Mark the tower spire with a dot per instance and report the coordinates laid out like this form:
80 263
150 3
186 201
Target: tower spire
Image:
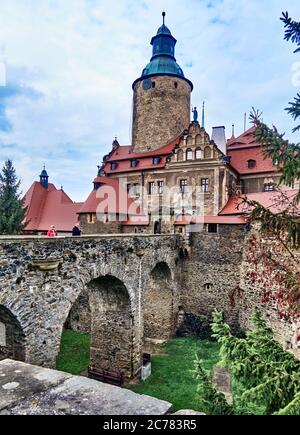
203 115
164 16
44 178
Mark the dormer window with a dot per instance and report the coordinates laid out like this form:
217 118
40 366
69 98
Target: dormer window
134 163
269 187
156 160
113 166
251 164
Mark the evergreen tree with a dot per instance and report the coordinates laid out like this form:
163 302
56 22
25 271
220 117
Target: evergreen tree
12 212
269 375
292 33
284 225
212 402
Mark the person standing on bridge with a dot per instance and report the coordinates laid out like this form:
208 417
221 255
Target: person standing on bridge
52 232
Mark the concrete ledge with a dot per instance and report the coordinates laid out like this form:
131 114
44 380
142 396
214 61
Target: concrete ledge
31 390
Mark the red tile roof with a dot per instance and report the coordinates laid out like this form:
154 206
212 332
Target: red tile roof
110 197
271 200
245 148
46 207
124 154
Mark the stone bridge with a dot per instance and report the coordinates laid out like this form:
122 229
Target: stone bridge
122 289
127 289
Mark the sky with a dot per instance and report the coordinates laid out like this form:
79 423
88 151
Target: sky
70 64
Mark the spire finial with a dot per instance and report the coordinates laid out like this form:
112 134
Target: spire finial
203 115
233 127
164 15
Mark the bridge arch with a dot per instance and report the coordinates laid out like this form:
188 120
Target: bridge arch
113 344
12 337
158 303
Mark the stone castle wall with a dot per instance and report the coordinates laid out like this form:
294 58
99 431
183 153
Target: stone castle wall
161 113
238 272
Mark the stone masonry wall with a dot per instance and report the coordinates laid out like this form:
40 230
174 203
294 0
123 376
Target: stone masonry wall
238 272
41 299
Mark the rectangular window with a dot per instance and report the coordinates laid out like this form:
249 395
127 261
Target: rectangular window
184 186
205 185
160 185
91 218
212 228
151 186
269 187
133 163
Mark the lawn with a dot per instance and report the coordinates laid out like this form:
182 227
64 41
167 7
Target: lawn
172 379
74 355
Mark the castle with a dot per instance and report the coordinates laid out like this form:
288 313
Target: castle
173 175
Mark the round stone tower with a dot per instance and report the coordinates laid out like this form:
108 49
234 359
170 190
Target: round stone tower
161 97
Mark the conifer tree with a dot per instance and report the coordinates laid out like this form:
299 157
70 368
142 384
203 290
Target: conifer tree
212 402
12 212
286 224
269 375
292 33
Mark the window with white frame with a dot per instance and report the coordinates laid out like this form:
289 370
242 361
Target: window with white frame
198 154
160 187
205 185
189 154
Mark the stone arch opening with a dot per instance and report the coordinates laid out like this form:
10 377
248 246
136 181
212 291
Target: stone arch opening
113 344
79 318
12 338
158 306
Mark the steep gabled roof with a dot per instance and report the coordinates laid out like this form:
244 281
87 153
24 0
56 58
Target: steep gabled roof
46 207
245 148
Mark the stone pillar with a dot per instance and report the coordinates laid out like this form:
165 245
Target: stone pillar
113 345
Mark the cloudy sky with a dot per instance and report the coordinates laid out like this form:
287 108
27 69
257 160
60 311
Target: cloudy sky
70 65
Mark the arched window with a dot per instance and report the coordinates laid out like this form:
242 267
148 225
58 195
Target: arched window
189 154
189 141
198 139
207 152
180 156
198 154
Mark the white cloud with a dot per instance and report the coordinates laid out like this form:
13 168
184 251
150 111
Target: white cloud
83 56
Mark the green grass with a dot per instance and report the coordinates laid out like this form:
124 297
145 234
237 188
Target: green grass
172 379
74 355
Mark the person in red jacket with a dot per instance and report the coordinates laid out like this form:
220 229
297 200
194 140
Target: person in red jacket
52 232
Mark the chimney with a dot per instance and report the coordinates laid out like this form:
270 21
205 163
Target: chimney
219 137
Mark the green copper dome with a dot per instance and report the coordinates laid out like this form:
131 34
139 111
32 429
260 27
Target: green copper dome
163 30
163 60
